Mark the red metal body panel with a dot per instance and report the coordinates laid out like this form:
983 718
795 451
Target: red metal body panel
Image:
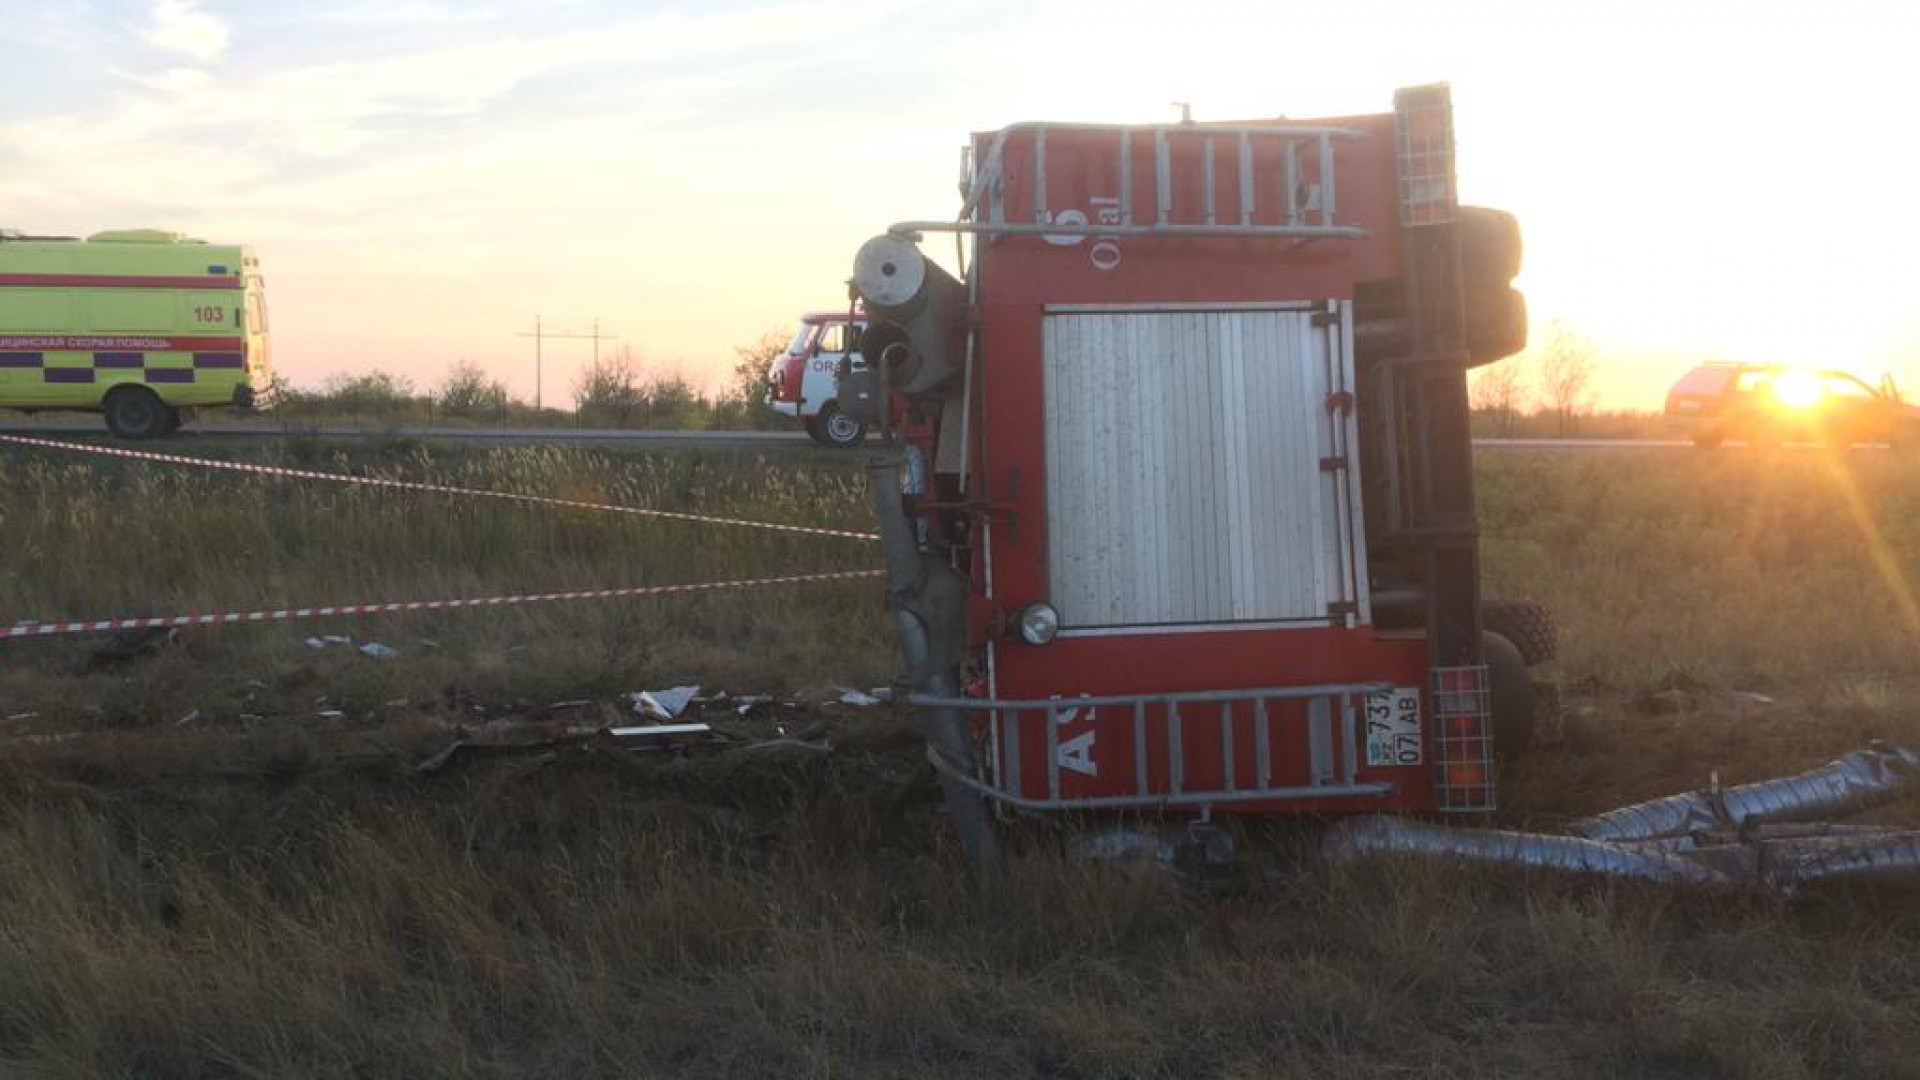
1018 277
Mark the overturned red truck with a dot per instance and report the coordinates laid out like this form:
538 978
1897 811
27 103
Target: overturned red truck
1178 500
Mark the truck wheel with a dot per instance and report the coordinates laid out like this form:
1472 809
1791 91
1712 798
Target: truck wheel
133 412
836 429
1527 626
1496 325
1490 246
1513 705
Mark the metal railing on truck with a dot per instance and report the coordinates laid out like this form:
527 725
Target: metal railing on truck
1304 210
1333 716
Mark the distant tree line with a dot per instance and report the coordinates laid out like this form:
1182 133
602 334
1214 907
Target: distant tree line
1545 390
616 390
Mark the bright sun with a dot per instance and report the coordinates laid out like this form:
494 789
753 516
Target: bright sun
1798 390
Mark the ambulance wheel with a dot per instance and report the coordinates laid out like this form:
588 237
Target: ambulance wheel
836 429
1513 705
134 413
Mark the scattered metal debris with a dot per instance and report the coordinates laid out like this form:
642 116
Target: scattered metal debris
877 696
659 731
664 704
1198 852
1768 834
789 743
377 651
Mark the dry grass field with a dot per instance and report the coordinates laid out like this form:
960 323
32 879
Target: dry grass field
202 875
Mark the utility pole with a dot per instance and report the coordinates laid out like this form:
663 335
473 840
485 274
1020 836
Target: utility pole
540 335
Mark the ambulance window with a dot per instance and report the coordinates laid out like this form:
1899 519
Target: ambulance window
833 338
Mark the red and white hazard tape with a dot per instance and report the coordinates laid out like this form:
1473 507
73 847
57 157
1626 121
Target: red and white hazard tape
416 485
94 626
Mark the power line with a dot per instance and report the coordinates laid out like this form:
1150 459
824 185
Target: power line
541 334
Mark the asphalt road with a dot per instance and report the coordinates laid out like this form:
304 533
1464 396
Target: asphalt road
586 436
649 438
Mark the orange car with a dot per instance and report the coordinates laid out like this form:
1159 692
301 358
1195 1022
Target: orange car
1768 404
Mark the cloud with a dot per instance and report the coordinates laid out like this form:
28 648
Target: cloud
409 13
174 80
179 26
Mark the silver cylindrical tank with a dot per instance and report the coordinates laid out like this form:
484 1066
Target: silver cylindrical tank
910 303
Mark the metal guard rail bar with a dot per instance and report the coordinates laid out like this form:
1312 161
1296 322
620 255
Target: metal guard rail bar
907 230
1321 736
988 183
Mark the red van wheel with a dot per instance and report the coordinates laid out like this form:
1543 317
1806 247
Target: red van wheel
133 412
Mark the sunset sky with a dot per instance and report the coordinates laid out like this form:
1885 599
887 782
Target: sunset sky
1697 180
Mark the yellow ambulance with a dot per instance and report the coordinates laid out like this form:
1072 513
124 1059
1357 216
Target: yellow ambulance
140 324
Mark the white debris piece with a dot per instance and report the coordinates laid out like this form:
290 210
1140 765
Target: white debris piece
664 704
378 651
744 705
855 697
659 731
332 714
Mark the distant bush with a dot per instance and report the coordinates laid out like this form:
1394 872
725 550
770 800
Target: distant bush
470 392
615 390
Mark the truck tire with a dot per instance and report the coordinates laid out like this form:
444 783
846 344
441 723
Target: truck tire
1512 698
133 412
834 428
1527 626
1490 247
1496 324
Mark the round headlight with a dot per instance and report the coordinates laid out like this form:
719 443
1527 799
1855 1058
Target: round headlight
1039 623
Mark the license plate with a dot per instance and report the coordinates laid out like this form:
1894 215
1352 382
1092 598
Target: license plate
1393 727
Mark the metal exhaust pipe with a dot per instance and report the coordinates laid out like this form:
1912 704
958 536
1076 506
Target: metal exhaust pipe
928 599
